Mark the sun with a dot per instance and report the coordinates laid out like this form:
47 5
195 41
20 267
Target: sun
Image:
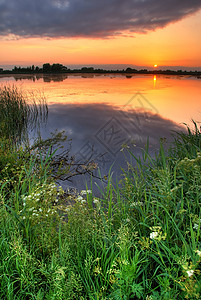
155 66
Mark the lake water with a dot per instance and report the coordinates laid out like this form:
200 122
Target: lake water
100 113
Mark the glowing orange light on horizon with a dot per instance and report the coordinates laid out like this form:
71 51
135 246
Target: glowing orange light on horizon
155 66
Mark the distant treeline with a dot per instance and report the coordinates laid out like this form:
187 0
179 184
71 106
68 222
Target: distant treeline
59 68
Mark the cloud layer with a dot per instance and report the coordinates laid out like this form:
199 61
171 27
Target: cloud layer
89 18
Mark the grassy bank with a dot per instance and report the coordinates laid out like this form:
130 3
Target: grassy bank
139 240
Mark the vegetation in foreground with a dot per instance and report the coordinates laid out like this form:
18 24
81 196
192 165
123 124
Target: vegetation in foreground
139 240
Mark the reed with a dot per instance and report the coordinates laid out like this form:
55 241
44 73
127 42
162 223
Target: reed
20 112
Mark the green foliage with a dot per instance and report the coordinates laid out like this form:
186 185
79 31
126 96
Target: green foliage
9 159
139 240
186 144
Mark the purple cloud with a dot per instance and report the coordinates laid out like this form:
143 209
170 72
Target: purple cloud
89 18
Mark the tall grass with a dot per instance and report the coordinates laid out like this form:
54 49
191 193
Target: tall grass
139 240
19 111
187 145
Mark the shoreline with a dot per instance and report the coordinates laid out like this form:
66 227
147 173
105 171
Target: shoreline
93 74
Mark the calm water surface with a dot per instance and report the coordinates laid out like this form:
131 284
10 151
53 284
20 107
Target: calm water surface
102 112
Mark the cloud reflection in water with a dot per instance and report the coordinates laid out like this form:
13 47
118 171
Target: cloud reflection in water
105 128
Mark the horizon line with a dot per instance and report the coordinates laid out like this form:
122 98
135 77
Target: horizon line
140 67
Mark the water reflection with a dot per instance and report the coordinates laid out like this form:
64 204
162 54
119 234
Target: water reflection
154 80
52 77
102 112
100 132
175 97
44 77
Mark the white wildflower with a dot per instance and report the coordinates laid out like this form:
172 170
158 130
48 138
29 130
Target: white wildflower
190 272
153 235
84 192
149 298
198 253
195 226
136 204
79 198
95 201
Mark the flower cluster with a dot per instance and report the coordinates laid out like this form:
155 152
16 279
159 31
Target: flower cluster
80 198
41 202
188 165
157 233
84 194
197 224
188 268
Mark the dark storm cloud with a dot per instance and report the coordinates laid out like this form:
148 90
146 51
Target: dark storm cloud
95 18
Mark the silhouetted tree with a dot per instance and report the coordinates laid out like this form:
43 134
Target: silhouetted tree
46 67
56 68
87 69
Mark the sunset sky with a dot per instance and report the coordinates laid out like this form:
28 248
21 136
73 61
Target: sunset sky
134 32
